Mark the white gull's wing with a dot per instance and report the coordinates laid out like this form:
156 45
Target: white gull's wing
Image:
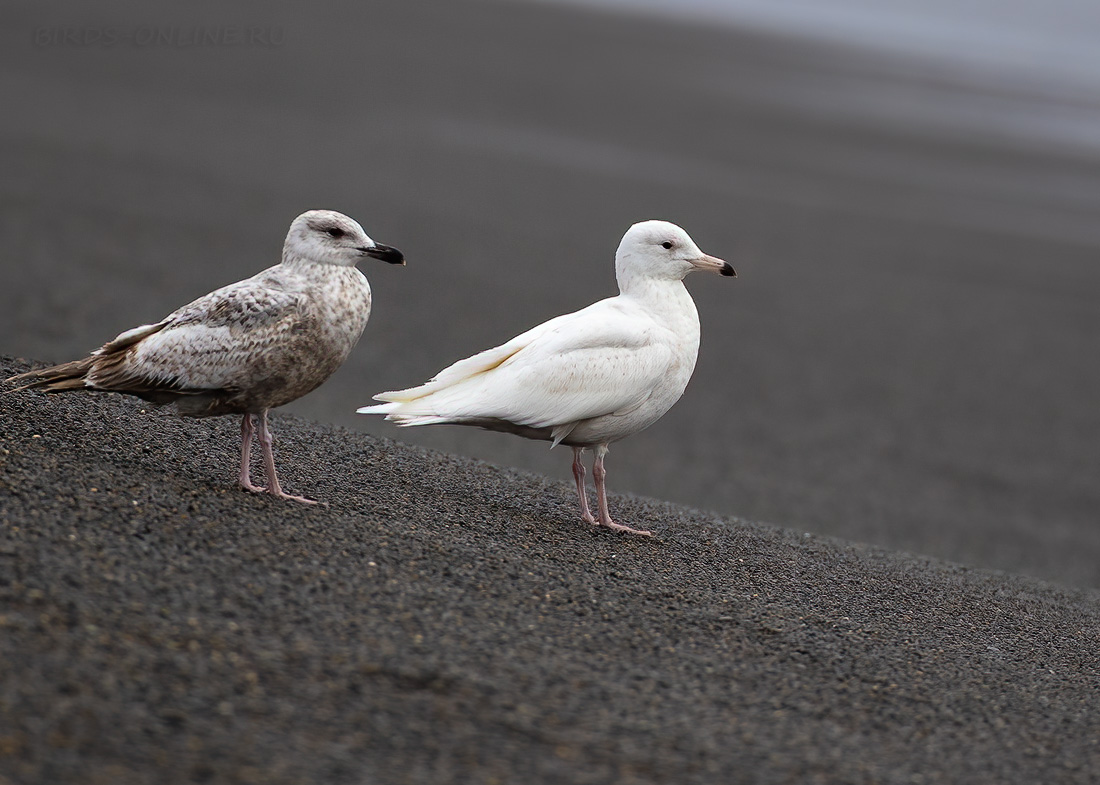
604 359
463 370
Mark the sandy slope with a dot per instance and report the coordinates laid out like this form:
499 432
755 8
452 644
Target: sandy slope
904 359
445 620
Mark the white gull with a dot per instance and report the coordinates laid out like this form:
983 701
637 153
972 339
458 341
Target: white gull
588 378
247 347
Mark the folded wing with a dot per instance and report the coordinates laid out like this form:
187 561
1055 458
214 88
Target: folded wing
209 344
586 364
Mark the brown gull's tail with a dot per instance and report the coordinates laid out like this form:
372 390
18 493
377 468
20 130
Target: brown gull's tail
73 375
56 378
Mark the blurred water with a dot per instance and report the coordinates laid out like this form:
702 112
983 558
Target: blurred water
1040 61
1049 40
991 108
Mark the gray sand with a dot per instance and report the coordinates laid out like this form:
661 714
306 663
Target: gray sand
907 357
446 620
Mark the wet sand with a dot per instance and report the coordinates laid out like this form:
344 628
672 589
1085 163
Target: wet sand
446 620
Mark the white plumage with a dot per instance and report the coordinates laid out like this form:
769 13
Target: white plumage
588 378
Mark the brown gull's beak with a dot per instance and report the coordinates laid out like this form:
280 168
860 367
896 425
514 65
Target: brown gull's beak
385 253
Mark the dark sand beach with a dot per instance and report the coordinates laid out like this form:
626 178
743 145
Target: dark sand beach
892 427
905 359
446 620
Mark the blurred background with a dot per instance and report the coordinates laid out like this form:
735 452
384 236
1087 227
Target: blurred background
909 191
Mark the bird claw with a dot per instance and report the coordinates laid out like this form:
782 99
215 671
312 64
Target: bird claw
618 527
607 523
279 494
628 530
293 498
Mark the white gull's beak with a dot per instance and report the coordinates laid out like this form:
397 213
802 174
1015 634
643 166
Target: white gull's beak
712 264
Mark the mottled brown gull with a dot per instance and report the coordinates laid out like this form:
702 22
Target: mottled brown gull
588 378
247 347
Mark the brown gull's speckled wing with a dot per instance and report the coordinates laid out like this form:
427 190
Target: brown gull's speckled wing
216 344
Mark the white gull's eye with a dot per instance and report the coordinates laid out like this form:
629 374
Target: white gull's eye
666 245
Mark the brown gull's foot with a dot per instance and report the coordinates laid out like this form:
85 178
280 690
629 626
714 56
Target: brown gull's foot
247 485
618 527
281 494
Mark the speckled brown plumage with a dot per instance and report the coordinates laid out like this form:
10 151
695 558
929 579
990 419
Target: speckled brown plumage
247 347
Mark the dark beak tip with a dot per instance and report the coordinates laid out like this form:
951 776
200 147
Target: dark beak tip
386 254
727 270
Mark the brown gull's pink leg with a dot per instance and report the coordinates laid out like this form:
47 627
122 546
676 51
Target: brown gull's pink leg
245 478
273 486
578 475
600 473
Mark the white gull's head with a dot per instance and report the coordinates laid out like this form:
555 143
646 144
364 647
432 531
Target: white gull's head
659 250
329 237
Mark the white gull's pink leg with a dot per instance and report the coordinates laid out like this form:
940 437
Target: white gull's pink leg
600 474
578 475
